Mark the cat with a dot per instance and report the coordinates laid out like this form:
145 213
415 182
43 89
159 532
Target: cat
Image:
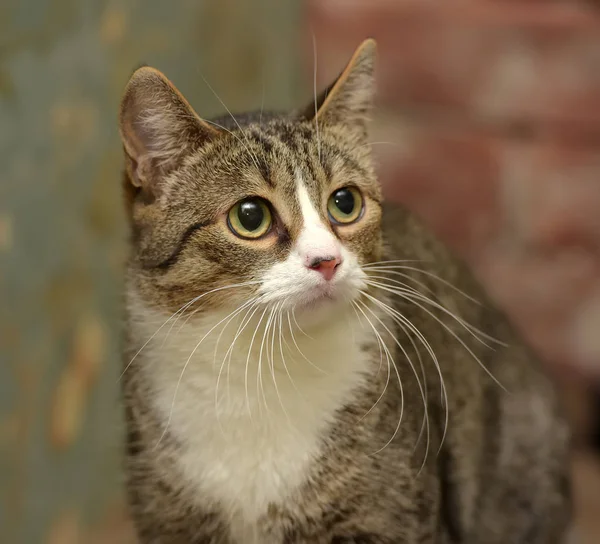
306 364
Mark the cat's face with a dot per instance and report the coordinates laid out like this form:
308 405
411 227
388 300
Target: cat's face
282 211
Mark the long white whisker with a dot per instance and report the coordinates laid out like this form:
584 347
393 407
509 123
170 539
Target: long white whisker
399 382
249 303
395 144
314 41
424 272
179 313
298 325
252 156
403 321
248 361
382 347
183 371
242 326
409 293
282 340
183 308
448 329
298 347
194 312
396 261
423 396
259 380
404 275
273 374
262 96
248 306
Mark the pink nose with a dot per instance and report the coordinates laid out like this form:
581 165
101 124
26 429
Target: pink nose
326 266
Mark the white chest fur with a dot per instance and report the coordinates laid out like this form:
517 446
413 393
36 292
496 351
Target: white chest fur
248 436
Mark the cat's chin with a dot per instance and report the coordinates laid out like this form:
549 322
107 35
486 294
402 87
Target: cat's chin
320 300
321 305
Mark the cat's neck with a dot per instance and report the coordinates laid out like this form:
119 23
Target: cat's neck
228 419
253 363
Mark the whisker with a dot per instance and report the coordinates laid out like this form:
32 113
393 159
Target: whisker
411 295
183 308
399 382
242 326
262 96
403 321
259 380
194 312
298 347
282 340
409 292
248 362
314 41
183 371
362 325
252 155
248 306
382 270
382 347
417 351
279 310
298 325
422 391
395 144
262 106
429 274
395 261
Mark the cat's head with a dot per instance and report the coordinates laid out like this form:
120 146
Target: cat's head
282 207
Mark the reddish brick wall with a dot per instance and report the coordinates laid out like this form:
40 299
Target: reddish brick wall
492 109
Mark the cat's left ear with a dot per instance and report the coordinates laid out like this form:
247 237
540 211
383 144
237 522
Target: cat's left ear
349 99
158 129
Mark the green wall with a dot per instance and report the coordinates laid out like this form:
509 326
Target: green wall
63 65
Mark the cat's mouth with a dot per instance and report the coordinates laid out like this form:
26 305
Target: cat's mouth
320 296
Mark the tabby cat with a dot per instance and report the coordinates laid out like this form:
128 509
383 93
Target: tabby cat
305 364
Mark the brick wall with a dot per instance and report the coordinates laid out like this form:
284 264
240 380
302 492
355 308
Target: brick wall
491 111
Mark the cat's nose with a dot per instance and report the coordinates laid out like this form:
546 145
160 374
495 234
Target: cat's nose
325 265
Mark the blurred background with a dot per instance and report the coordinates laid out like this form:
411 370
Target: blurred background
488 127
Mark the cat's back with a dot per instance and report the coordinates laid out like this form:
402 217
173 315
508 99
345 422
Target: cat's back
506 441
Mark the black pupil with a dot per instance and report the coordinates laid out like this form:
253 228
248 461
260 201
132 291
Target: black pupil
251 215
344 200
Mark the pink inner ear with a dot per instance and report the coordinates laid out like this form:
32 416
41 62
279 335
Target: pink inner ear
158 127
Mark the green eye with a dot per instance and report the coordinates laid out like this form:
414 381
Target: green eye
345 205
250 218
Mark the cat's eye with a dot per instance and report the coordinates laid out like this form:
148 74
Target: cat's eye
345 205
250 218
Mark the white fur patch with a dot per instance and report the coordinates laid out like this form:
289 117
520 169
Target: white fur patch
315 240
252 443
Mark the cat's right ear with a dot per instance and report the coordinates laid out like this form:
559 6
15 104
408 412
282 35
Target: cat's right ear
158 129
348 101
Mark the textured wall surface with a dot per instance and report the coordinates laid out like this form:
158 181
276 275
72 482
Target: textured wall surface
491 111
63 65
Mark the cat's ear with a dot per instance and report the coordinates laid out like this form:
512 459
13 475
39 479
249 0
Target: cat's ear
349 99
158 128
